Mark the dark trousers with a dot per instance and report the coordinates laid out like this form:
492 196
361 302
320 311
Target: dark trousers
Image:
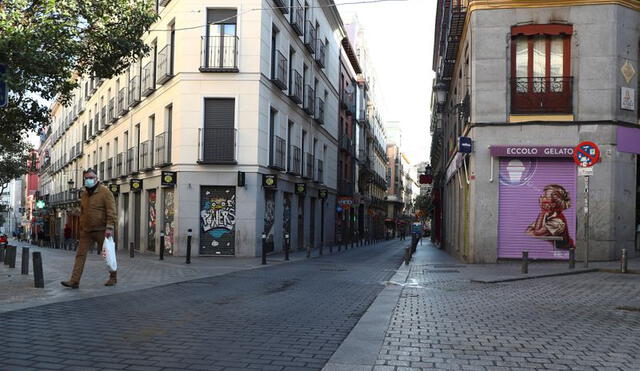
86 240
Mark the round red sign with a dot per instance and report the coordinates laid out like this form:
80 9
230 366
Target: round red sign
586 154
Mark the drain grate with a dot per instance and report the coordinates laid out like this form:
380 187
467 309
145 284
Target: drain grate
425 271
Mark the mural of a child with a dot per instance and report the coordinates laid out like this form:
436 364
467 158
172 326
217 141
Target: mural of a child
551 222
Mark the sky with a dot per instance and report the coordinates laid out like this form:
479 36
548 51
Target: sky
399 35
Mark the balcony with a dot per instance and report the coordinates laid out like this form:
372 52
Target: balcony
101 173
146 155
219 54
534 95
110 174
319 171
165 65
320 53
132 160
297 18
279 71
310 37
96 125
309 104
81 105
281 4
319 115
217 145
79 149
278 158
111 115
134 91
308 166
346 144
162 150
148 85
296 89
295 160
122 103
120 168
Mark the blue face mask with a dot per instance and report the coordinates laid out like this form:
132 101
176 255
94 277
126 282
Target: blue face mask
89 182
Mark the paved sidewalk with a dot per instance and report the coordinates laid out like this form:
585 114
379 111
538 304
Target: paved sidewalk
143 271
436 314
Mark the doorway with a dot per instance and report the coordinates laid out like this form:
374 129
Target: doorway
137 201
125 220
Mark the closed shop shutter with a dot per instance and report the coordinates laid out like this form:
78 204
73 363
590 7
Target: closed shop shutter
530 222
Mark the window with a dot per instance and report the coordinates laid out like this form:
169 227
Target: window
172 46
274 49
292 53
540 69
220 41
217 139
272 127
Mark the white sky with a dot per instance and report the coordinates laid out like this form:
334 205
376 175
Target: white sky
399 35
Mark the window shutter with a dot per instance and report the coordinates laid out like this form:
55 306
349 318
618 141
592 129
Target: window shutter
221 16
219 130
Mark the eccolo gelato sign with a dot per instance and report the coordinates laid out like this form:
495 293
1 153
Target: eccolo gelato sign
531 151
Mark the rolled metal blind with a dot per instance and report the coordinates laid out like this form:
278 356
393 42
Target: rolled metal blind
226 16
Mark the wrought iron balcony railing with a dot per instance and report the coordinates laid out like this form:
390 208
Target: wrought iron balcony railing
308 166
165 65
320 53
296 88
219 54
134 91
162 150
111 114
278 159
217 145
542 95
122 102
297 18
295 160
319 115
146 155
280 71
310 100
319 171
310 36
148 84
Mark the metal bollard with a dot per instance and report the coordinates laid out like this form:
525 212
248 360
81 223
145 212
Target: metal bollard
189 246
161 245
38 276
264 248
623 261
525 262
287 242
407 255
308 251
131 250
25 260
12 257
572 258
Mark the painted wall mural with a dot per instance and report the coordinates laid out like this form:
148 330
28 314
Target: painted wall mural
169 220
269 218
152 221
537 208
217 220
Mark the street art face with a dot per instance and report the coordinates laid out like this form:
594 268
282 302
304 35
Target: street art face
217 220
551 222
269 218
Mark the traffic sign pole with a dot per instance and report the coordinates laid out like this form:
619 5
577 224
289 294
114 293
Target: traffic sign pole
586 155
586 221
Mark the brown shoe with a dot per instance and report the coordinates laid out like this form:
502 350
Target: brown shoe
113 279
73 285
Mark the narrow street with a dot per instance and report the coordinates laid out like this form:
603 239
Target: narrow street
286 316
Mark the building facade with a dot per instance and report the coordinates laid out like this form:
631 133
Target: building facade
227 132
527 82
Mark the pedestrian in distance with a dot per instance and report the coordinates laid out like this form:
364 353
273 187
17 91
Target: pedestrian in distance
97 220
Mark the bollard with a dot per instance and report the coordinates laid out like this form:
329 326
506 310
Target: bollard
308 251
264 248
12 257
161 245
188 246
525 262
38 276
25 260
287 242
320 252
407 255
572 258
2 251
131 250
623 261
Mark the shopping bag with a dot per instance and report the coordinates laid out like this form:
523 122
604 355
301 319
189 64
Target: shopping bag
109 254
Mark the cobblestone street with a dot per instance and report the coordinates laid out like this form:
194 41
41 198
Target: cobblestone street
286 316
577 322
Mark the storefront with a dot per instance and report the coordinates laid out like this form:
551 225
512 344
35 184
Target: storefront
537 201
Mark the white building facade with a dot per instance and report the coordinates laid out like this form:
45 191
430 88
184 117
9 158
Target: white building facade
228 130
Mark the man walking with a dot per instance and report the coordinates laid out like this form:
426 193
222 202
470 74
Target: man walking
97 220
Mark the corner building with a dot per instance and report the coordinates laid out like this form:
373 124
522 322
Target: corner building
241 112
528 81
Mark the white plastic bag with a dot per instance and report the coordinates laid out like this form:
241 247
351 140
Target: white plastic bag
109 254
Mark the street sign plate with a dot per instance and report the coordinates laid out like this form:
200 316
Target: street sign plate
585 171
4 94
586 154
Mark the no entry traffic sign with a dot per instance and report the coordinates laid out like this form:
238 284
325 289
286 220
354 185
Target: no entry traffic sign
586 154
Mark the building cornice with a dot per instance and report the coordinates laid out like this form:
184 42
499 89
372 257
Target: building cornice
509 4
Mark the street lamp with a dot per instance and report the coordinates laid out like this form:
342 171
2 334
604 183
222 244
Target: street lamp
441 92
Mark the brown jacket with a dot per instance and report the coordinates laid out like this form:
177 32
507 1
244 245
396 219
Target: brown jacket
98 210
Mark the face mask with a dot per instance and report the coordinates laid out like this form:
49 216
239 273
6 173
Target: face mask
89 182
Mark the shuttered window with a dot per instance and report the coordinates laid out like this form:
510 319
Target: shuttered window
219 131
